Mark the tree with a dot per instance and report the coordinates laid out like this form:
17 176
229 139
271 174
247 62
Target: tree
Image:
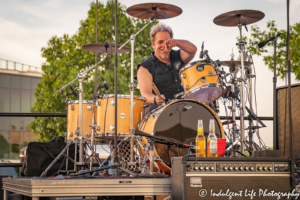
65 58
267 52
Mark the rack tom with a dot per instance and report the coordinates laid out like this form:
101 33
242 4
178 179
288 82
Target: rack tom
106 115
88 113
200 82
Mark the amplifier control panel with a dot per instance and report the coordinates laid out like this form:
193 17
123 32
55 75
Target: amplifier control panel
237 167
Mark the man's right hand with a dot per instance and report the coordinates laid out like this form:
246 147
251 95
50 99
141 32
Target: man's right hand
160 101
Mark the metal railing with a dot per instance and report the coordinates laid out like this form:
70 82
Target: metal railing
13 65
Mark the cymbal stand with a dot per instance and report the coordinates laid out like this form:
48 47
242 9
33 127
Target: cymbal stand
241 45
251 130
132 85
80 79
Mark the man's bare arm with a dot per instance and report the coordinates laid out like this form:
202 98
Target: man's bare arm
144 80
188 50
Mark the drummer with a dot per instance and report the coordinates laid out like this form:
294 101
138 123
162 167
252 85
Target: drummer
163 65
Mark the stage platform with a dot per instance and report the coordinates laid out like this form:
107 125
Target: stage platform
88 187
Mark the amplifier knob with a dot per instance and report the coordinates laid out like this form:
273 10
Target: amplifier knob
225 168
212 168
251 168
241 168
270 168
259 168
200 168
235 168
246 168
206 168
230 168
195 168
264 168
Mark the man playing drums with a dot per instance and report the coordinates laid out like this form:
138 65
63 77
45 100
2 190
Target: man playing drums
162 67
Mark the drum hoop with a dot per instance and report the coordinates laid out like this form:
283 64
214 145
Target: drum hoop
83 101
192 64
124 96
160 109
202 87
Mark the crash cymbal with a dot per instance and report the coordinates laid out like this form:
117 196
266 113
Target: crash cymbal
156 10
233 18
234 63
105 48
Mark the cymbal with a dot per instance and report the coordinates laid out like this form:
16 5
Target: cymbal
156 10
233 18
234 63
105 48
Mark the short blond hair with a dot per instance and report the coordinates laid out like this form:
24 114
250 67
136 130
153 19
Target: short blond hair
160 28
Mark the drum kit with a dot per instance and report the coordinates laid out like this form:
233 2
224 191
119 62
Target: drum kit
92 122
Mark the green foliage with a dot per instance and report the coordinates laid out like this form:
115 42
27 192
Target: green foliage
267 52
65 58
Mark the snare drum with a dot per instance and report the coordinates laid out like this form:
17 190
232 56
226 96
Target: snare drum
106 114
177 121
88 112
200 82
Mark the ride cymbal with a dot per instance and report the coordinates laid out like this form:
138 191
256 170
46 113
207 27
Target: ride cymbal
234 63
105 48
156 10
233 18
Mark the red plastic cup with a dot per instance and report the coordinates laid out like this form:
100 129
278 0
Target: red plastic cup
221 146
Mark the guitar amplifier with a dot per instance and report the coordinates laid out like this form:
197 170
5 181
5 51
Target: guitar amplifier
231 178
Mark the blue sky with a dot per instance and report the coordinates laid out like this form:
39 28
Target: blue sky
27 25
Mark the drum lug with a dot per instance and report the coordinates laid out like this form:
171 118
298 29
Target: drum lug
88 134
183 75
70 134
89 107
72 107
76 131
99 103
186 87
203 79
210 73
98 128
112 102
112 127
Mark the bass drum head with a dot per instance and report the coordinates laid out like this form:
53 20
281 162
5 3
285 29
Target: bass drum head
178 122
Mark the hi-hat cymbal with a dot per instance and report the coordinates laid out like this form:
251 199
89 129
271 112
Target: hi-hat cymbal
233 18
156 10
234 63
105 48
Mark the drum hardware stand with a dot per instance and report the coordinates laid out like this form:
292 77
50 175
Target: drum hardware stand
241 45
132 85
110 166
80 79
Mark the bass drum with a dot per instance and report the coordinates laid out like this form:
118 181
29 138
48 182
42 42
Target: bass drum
177 121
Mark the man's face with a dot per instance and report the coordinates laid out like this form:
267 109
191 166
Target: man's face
160 43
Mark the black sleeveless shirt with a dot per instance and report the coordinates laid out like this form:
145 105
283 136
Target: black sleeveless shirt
165 77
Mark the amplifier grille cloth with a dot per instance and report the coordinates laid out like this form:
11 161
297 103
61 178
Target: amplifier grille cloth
283 120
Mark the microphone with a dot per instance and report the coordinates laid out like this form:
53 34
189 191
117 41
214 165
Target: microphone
262 44
201 52
74 91
228 122
105 84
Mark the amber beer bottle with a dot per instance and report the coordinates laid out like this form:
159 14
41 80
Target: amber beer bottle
200 140
212 141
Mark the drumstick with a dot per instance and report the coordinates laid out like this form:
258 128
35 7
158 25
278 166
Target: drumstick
156 91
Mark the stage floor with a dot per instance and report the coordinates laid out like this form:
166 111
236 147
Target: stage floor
89 187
